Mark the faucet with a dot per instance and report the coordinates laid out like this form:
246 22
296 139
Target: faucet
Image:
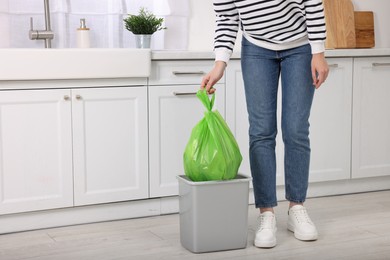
46 34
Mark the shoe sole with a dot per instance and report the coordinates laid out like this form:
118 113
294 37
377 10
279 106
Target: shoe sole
302 237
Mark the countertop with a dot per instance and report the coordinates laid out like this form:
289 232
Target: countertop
73 63
208 55
101 67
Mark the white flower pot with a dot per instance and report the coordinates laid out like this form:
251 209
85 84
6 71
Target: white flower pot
142 41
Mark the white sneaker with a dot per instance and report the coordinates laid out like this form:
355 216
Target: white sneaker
300 223
266 232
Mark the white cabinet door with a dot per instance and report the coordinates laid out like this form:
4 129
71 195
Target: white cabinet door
35 150
330 124
371 117
110 139
237 119
174 111
236 112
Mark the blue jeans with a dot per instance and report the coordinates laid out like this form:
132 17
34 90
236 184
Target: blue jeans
261 69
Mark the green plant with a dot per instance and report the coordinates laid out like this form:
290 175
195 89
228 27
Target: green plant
143 23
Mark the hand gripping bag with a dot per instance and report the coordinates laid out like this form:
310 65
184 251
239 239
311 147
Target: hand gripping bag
212 152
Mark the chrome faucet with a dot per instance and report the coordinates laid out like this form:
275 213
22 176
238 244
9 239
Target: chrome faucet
46 34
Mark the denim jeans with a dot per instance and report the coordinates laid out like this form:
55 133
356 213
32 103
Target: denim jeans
261 70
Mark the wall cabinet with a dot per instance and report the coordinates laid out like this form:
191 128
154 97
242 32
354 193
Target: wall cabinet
174 110
105 128
371 120
330 120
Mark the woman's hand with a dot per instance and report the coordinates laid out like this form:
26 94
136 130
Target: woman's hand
213 77
319 69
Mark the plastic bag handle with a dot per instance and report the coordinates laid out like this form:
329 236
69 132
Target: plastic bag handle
204 98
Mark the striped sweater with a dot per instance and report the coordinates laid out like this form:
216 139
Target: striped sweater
272 24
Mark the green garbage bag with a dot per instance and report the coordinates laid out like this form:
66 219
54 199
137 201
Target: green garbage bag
212 152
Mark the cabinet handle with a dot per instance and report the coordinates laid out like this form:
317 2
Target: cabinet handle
377 64
66 97
333 65
178 73
78 97
184 93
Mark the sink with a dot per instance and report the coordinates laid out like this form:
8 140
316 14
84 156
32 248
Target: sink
40 64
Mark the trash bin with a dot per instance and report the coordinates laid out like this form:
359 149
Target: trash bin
213 214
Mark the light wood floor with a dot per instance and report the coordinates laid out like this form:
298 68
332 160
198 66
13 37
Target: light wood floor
353 226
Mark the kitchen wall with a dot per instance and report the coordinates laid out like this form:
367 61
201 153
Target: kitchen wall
201 24
103 17
381 10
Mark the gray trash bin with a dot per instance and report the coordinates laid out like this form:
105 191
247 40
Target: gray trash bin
213 214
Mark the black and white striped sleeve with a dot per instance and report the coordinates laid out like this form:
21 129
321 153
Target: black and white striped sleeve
227 23
315 22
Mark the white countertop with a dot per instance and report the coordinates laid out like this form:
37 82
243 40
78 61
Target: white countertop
37 64
111 64
208 55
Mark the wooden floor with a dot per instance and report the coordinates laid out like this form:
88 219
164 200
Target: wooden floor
353 226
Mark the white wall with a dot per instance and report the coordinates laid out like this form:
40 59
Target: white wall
201 23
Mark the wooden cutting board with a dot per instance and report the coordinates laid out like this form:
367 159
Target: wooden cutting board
364 29
340 24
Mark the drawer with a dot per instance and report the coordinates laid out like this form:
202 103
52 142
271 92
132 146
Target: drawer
180 72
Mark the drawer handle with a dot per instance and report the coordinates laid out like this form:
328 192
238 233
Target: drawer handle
333 65
184 93
179 73
66 97
377 64
78 97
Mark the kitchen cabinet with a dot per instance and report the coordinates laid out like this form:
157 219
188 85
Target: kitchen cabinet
174 110
237 119
35 150
371 120
69 143
71 147
110 144
330 122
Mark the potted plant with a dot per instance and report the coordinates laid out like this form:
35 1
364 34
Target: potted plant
143 26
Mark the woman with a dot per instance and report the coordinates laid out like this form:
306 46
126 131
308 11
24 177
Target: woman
281 39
